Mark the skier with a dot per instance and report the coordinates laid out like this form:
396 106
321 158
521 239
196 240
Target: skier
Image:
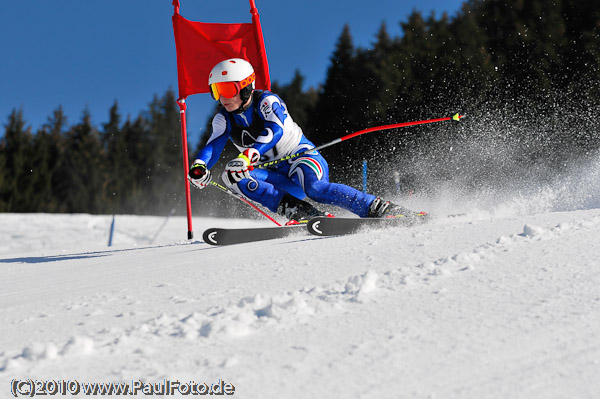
260 126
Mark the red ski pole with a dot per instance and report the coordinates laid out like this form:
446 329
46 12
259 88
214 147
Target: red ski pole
257 209
455 117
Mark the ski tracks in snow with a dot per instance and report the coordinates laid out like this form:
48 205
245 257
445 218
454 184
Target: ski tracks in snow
209 332
468 260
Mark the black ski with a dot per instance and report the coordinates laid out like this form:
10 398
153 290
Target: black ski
324 226
224 236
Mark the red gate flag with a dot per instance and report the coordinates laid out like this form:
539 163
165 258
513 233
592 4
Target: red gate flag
200 46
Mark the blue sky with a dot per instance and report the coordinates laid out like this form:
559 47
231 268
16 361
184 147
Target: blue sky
89 53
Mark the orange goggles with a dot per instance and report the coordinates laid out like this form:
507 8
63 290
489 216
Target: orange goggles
229 89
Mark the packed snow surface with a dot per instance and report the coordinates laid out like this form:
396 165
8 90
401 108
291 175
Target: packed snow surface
493 304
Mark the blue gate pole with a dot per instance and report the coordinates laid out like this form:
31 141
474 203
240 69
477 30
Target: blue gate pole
364 176
112 231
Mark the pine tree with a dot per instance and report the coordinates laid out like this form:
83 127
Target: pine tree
338 111
332 116
17 191
582 49
166 173
412 52
135 178
118 168
474 73
79 177
47 152
4 207
384 78
301 104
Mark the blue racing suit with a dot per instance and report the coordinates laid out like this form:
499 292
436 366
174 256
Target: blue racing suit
267 127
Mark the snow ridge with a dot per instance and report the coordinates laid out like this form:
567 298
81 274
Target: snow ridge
261 312
249 315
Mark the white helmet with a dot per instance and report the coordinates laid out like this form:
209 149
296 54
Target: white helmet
230 77
231 70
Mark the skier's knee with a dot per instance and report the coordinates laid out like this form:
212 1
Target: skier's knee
315 193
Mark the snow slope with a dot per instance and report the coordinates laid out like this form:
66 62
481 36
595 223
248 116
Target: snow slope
495 304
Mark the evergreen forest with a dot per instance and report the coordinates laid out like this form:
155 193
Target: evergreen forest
525 72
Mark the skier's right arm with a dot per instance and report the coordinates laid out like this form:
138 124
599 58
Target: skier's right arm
199 174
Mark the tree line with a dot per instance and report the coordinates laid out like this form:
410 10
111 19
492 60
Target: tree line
526 72
131 167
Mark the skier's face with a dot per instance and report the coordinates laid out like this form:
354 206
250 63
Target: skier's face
231 104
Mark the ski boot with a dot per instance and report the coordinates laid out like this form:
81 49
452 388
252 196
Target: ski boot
298 211
386 209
